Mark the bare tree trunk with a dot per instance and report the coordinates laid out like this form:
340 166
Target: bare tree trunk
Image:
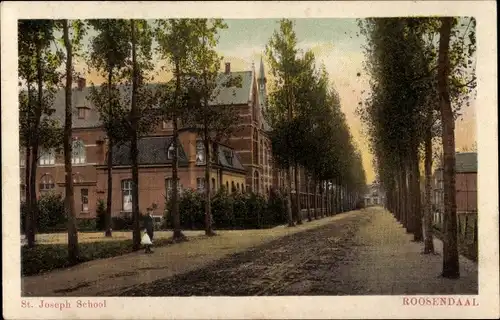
291 223
69 196
428 241
178 235
417 207
109 200
33 207
315 197
402 202
308 199
208 214
134 153
29 227
450 243
297 194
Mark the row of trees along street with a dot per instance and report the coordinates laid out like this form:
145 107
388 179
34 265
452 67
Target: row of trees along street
422 73
309 129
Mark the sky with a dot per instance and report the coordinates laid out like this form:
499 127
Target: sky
336 43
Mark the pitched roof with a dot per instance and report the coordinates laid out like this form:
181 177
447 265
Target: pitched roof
466 162
226 96
152 150
225 162
233 95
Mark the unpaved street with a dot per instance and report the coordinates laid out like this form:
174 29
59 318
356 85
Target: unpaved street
356 255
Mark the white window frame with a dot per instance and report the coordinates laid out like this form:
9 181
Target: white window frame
200 153
84 196
78 153
47 183
127 195
47 158
170 151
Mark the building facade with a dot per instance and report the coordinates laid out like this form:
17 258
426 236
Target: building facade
375 195
241 162
465 184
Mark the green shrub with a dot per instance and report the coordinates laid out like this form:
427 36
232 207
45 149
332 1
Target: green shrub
276 208
101 215
222 209
50 213
191 210
122 223
240 210
86 224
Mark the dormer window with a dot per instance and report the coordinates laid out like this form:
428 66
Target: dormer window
200 152
170 153
229 156
81 112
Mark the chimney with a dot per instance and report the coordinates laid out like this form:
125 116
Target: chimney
228 68
81 82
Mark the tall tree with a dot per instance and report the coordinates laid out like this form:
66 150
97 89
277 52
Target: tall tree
110 49
211 120
71 45
143 113
450 244
281 53
176 40
38 66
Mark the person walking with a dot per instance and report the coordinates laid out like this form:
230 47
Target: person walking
149 228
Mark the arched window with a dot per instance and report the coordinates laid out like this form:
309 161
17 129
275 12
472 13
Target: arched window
77 178
256 182
233 187
213 184
78 152
47 183
238 186
227 186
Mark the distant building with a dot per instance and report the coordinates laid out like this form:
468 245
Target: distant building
466 187
375 195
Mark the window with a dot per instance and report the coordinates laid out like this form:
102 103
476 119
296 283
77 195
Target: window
47 183
169 185
256 182
78 152
213 184
85 199
229 156
81 113
238 186
170 153
233 187
200 152
214 154
200 184
47 157
77 178
127 195
227 185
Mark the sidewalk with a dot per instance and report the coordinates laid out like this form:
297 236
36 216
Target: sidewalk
108 277
389 263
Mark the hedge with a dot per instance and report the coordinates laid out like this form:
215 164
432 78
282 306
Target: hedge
229 210
46 257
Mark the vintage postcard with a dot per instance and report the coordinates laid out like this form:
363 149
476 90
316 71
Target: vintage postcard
249 160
